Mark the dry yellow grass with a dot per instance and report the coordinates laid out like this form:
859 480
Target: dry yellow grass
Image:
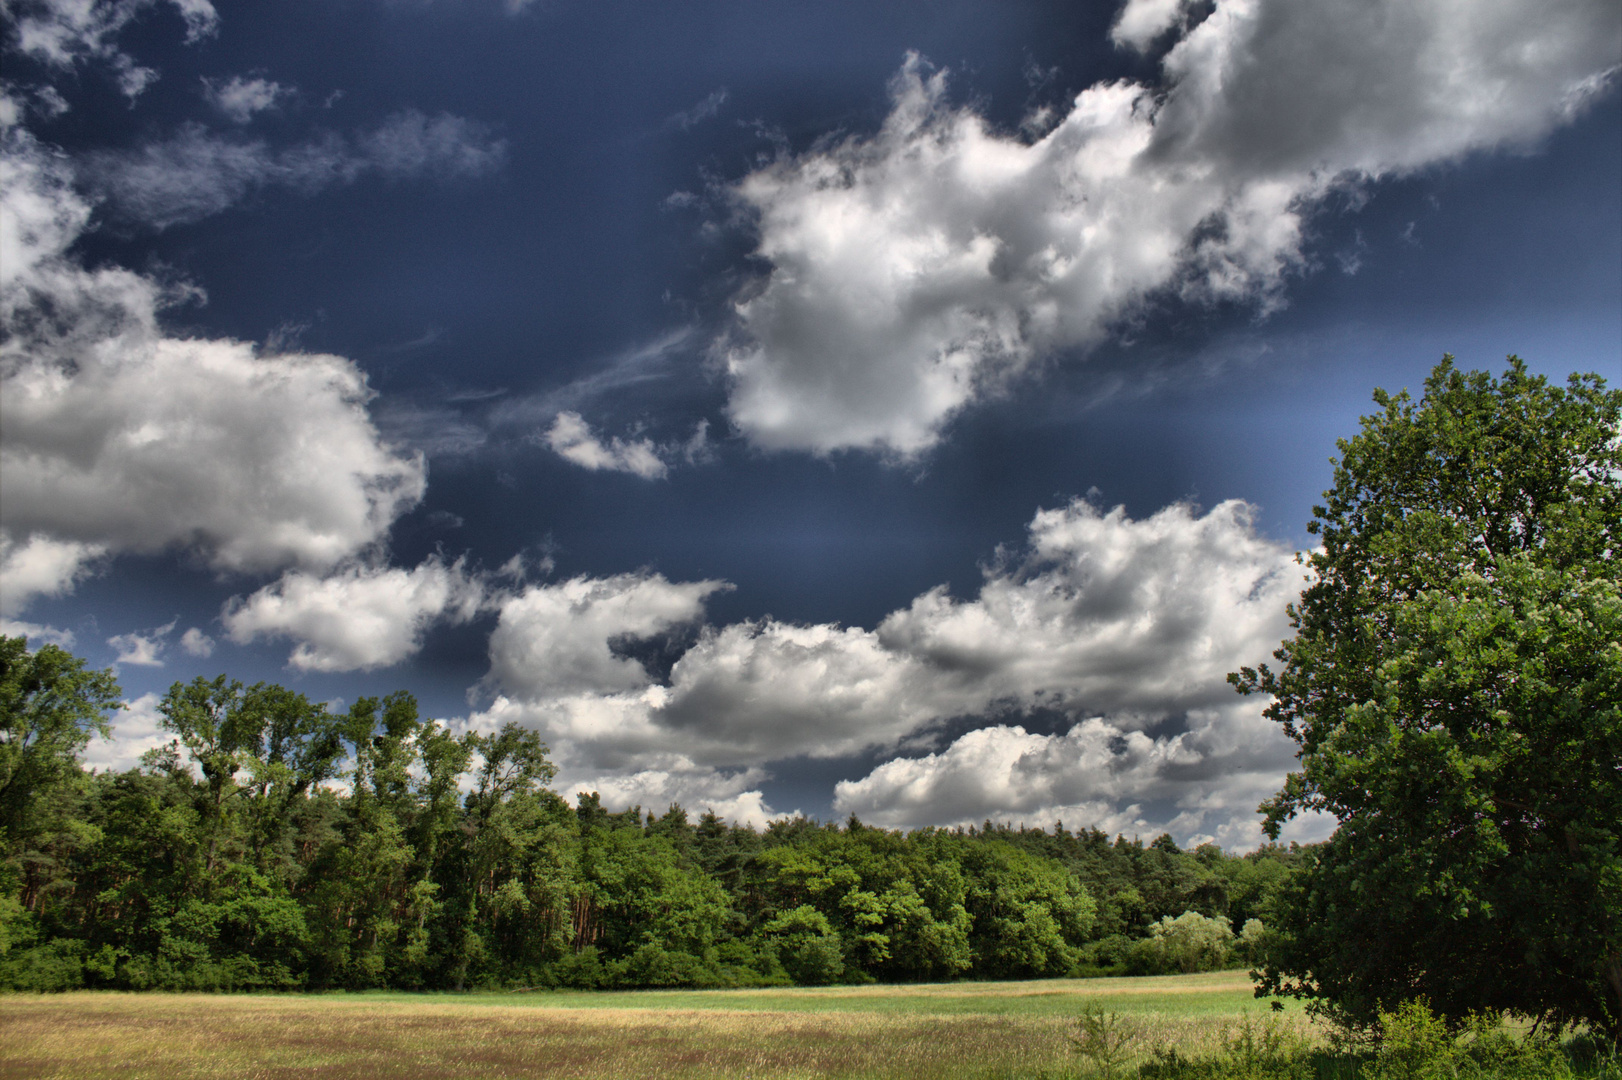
800 1034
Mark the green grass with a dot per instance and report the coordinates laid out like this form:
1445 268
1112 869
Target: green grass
955 1031
1221 993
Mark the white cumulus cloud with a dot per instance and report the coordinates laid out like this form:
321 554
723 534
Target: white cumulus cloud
256 461
1137 622
142 648
137 728
732 796
196 643
358 618
36 633
116 437
572 439
553 641
1142 21
1201 783
921 269
40 566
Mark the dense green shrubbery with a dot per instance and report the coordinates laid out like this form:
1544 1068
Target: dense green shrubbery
1409 1043
276 845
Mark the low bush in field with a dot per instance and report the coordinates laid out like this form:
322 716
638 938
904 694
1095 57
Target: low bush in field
1413 1044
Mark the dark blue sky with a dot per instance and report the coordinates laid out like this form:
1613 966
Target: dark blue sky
656 221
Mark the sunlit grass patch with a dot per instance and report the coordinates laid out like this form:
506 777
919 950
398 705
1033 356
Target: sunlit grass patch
1214 993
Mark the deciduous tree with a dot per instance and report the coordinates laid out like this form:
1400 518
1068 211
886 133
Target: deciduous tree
1455 686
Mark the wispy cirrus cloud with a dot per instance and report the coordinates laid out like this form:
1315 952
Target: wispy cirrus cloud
697 114
197 173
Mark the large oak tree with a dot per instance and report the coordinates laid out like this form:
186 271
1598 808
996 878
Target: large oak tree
1455 687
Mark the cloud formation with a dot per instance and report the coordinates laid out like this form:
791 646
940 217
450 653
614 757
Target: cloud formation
700 112
735 797
572 439
239 99
359 618
555 641
924 268
254 461
115 437
141 648
197 173
137 728
196 643
1202 784
63 33
40 566
1137 622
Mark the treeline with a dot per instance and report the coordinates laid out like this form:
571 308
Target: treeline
275 844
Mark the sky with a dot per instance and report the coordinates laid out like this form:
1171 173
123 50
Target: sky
907 408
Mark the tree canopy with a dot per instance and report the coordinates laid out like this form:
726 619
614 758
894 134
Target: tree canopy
1455 688
275 843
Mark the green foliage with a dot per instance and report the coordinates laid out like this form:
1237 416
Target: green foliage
806 944
1106 1041
1189 943
1416 1044
1252 1051
275 845
50 706
1455 686
1026 912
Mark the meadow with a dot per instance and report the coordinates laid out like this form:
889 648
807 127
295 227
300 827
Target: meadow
920 1032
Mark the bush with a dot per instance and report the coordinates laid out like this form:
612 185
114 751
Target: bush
1415 1044
1191 942
48 968
1110 955
651 965
807 945
579 971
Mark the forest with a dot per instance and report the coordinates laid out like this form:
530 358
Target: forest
1453 686
273 844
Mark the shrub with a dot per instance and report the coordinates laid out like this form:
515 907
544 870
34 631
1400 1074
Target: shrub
1415 1044
1191 942
807 945
1107 1041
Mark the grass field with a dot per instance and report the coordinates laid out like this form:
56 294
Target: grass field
955 1031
